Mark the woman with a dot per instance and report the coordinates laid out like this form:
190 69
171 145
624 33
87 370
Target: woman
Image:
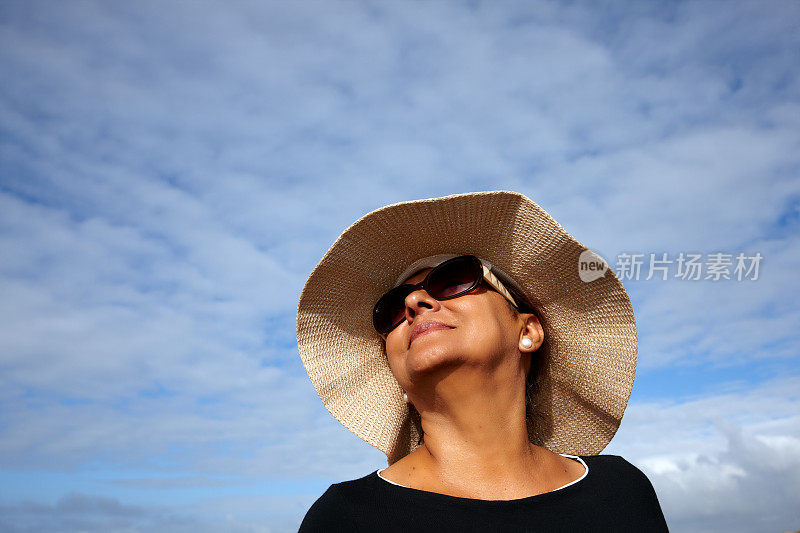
456 335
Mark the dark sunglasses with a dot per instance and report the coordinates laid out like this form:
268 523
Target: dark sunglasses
446 280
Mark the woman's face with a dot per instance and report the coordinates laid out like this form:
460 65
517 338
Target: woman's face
476 328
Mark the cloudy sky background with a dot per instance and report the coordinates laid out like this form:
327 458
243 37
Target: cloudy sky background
171 173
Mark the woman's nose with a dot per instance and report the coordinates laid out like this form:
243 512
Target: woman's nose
418 301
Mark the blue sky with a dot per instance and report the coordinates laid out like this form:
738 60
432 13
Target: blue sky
171 173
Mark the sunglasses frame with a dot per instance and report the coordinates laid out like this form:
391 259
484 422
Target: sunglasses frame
424 285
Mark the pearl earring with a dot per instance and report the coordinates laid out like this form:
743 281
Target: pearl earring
526 342
405 397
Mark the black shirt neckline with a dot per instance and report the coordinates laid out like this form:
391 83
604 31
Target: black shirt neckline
413 493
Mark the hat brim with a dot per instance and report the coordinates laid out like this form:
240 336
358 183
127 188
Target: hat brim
588 359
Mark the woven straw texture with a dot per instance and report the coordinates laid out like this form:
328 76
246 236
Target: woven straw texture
588 359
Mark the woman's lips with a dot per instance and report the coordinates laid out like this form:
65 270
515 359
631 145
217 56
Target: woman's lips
426 327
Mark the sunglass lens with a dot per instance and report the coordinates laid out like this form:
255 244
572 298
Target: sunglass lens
390 309
455 277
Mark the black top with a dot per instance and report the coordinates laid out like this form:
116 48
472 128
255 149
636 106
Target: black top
613 496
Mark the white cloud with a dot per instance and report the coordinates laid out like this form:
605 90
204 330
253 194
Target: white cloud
728 462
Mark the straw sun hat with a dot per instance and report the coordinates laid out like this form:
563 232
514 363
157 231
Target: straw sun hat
586 364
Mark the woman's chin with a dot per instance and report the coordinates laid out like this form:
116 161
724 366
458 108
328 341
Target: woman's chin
423 359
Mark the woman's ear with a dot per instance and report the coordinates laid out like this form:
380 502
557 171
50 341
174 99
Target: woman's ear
532 335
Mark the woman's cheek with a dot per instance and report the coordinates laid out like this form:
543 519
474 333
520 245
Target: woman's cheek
395 359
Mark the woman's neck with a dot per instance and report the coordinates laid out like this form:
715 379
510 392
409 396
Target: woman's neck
476 438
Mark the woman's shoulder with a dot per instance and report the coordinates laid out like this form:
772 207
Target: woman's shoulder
616 480
333 511
616 466
608 461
